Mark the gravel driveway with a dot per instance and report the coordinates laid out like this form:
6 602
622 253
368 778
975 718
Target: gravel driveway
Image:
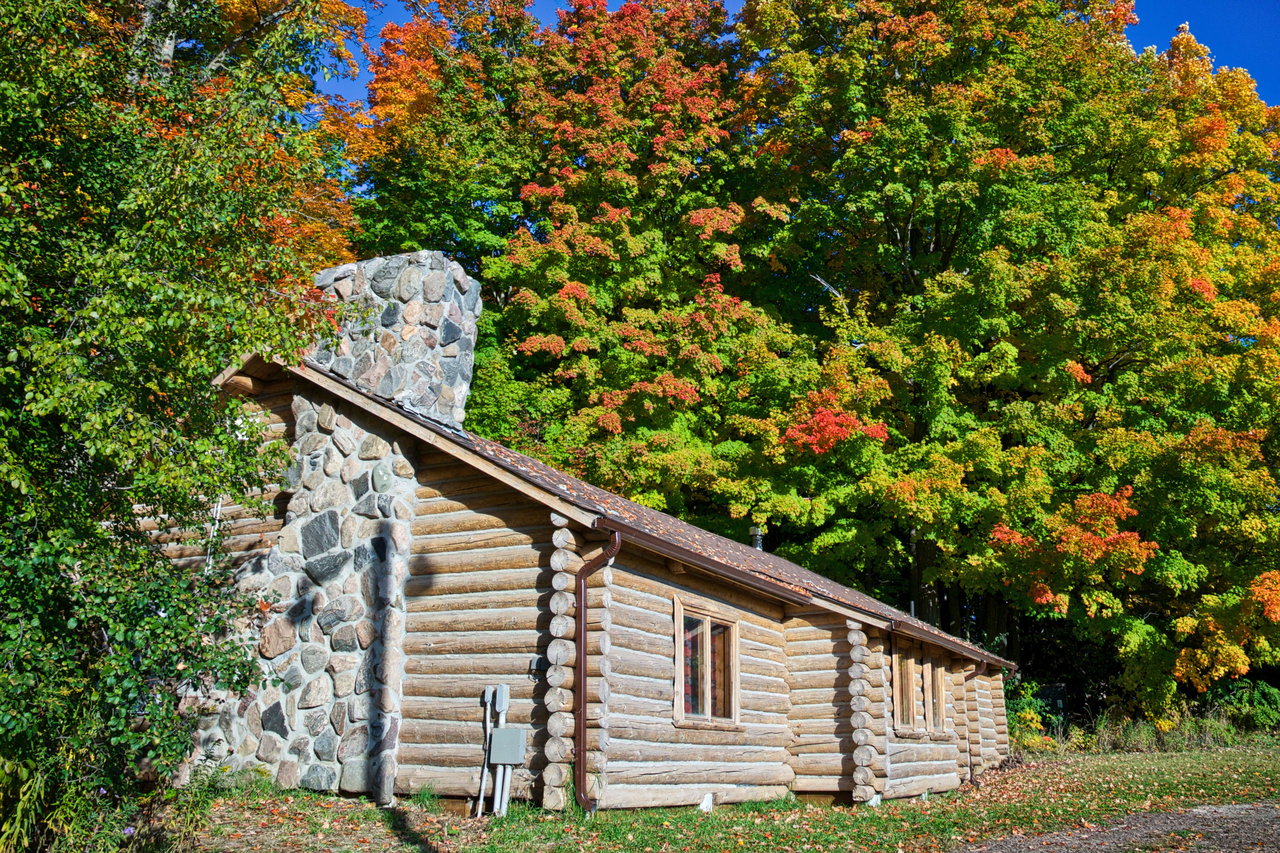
1247 828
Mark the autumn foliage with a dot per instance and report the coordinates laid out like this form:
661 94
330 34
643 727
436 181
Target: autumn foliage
964 301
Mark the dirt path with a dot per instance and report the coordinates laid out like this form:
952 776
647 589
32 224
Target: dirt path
1247 828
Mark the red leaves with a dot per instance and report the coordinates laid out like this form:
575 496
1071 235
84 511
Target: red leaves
716 220
823 424
1204 288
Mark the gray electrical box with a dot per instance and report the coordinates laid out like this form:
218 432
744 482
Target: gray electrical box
506 746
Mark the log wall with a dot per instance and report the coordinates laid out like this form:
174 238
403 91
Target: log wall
652 760
837 705
922 757
478 608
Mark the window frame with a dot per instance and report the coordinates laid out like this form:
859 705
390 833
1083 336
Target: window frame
920 677
708 616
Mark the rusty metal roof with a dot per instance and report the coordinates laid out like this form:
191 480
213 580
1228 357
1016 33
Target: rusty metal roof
678 539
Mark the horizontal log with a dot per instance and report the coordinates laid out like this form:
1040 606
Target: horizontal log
476 642
823 634
804 664
829 696
498 499
618 796
652 578
441 755
907 751
655 689
454 482
640 752
914 769
562 603
564 581
477 540
663 730
639 641
460 686
516 517
429 711
695 773
475 618
921 785
431 602
822 764
530 579
434 731
822 784
835 647
821 745
490 559
450 781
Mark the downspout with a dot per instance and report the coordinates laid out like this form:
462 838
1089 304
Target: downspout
585 572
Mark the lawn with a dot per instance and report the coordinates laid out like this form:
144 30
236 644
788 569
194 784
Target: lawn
1037 797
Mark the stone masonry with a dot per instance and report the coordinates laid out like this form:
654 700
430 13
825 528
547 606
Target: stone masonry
327 714
414 342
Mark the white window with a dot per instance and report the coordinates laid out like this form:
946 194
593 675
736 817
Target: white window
706 666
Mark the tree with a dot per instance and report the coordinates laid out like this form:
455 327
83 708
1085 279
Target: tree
1051 265
162 202
583 170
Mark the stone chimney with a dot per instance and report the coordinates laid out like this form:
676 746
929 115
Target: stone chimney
412 336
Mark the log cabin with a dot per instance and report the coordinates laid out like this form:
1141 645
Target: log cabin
404 564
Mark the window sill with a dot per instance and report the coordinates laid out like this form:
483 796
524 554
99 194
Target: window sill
924 734
709 725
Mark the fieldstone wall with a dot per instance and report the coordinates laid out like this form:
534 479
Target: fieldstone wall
331 624
329 640
414 339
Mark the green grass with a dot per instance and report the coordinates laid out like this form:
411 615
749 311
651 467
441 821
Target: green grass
1039 797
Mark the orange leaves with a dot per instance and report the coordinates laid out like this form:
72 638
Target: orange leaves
1078 373
407 70
1265 591
1091 532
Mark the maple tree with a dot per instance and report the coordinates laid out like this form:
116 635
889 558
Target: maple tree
163 199
1052 271
964 301
582 170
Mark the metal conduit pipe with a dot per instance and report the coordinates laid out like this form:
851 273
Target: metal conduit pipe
580 667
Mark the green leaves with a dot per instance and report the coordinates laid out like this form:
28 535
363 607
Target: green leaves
147 204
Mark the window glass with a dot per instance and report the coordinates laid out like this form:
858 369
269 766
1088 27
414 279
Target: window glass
693 666
720 677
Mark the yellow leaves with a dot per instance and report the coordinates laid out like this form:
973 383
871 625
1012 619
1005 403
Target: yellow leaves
1217 657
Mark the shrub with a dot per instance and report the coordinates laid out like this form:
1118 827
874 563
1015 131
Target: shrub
1251 705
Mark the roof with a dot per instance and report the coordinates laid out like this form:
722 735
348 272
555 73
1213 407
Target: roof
665 534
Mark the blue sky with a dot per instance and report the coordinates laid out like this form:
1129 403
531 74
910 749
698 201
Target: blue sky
1240 33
